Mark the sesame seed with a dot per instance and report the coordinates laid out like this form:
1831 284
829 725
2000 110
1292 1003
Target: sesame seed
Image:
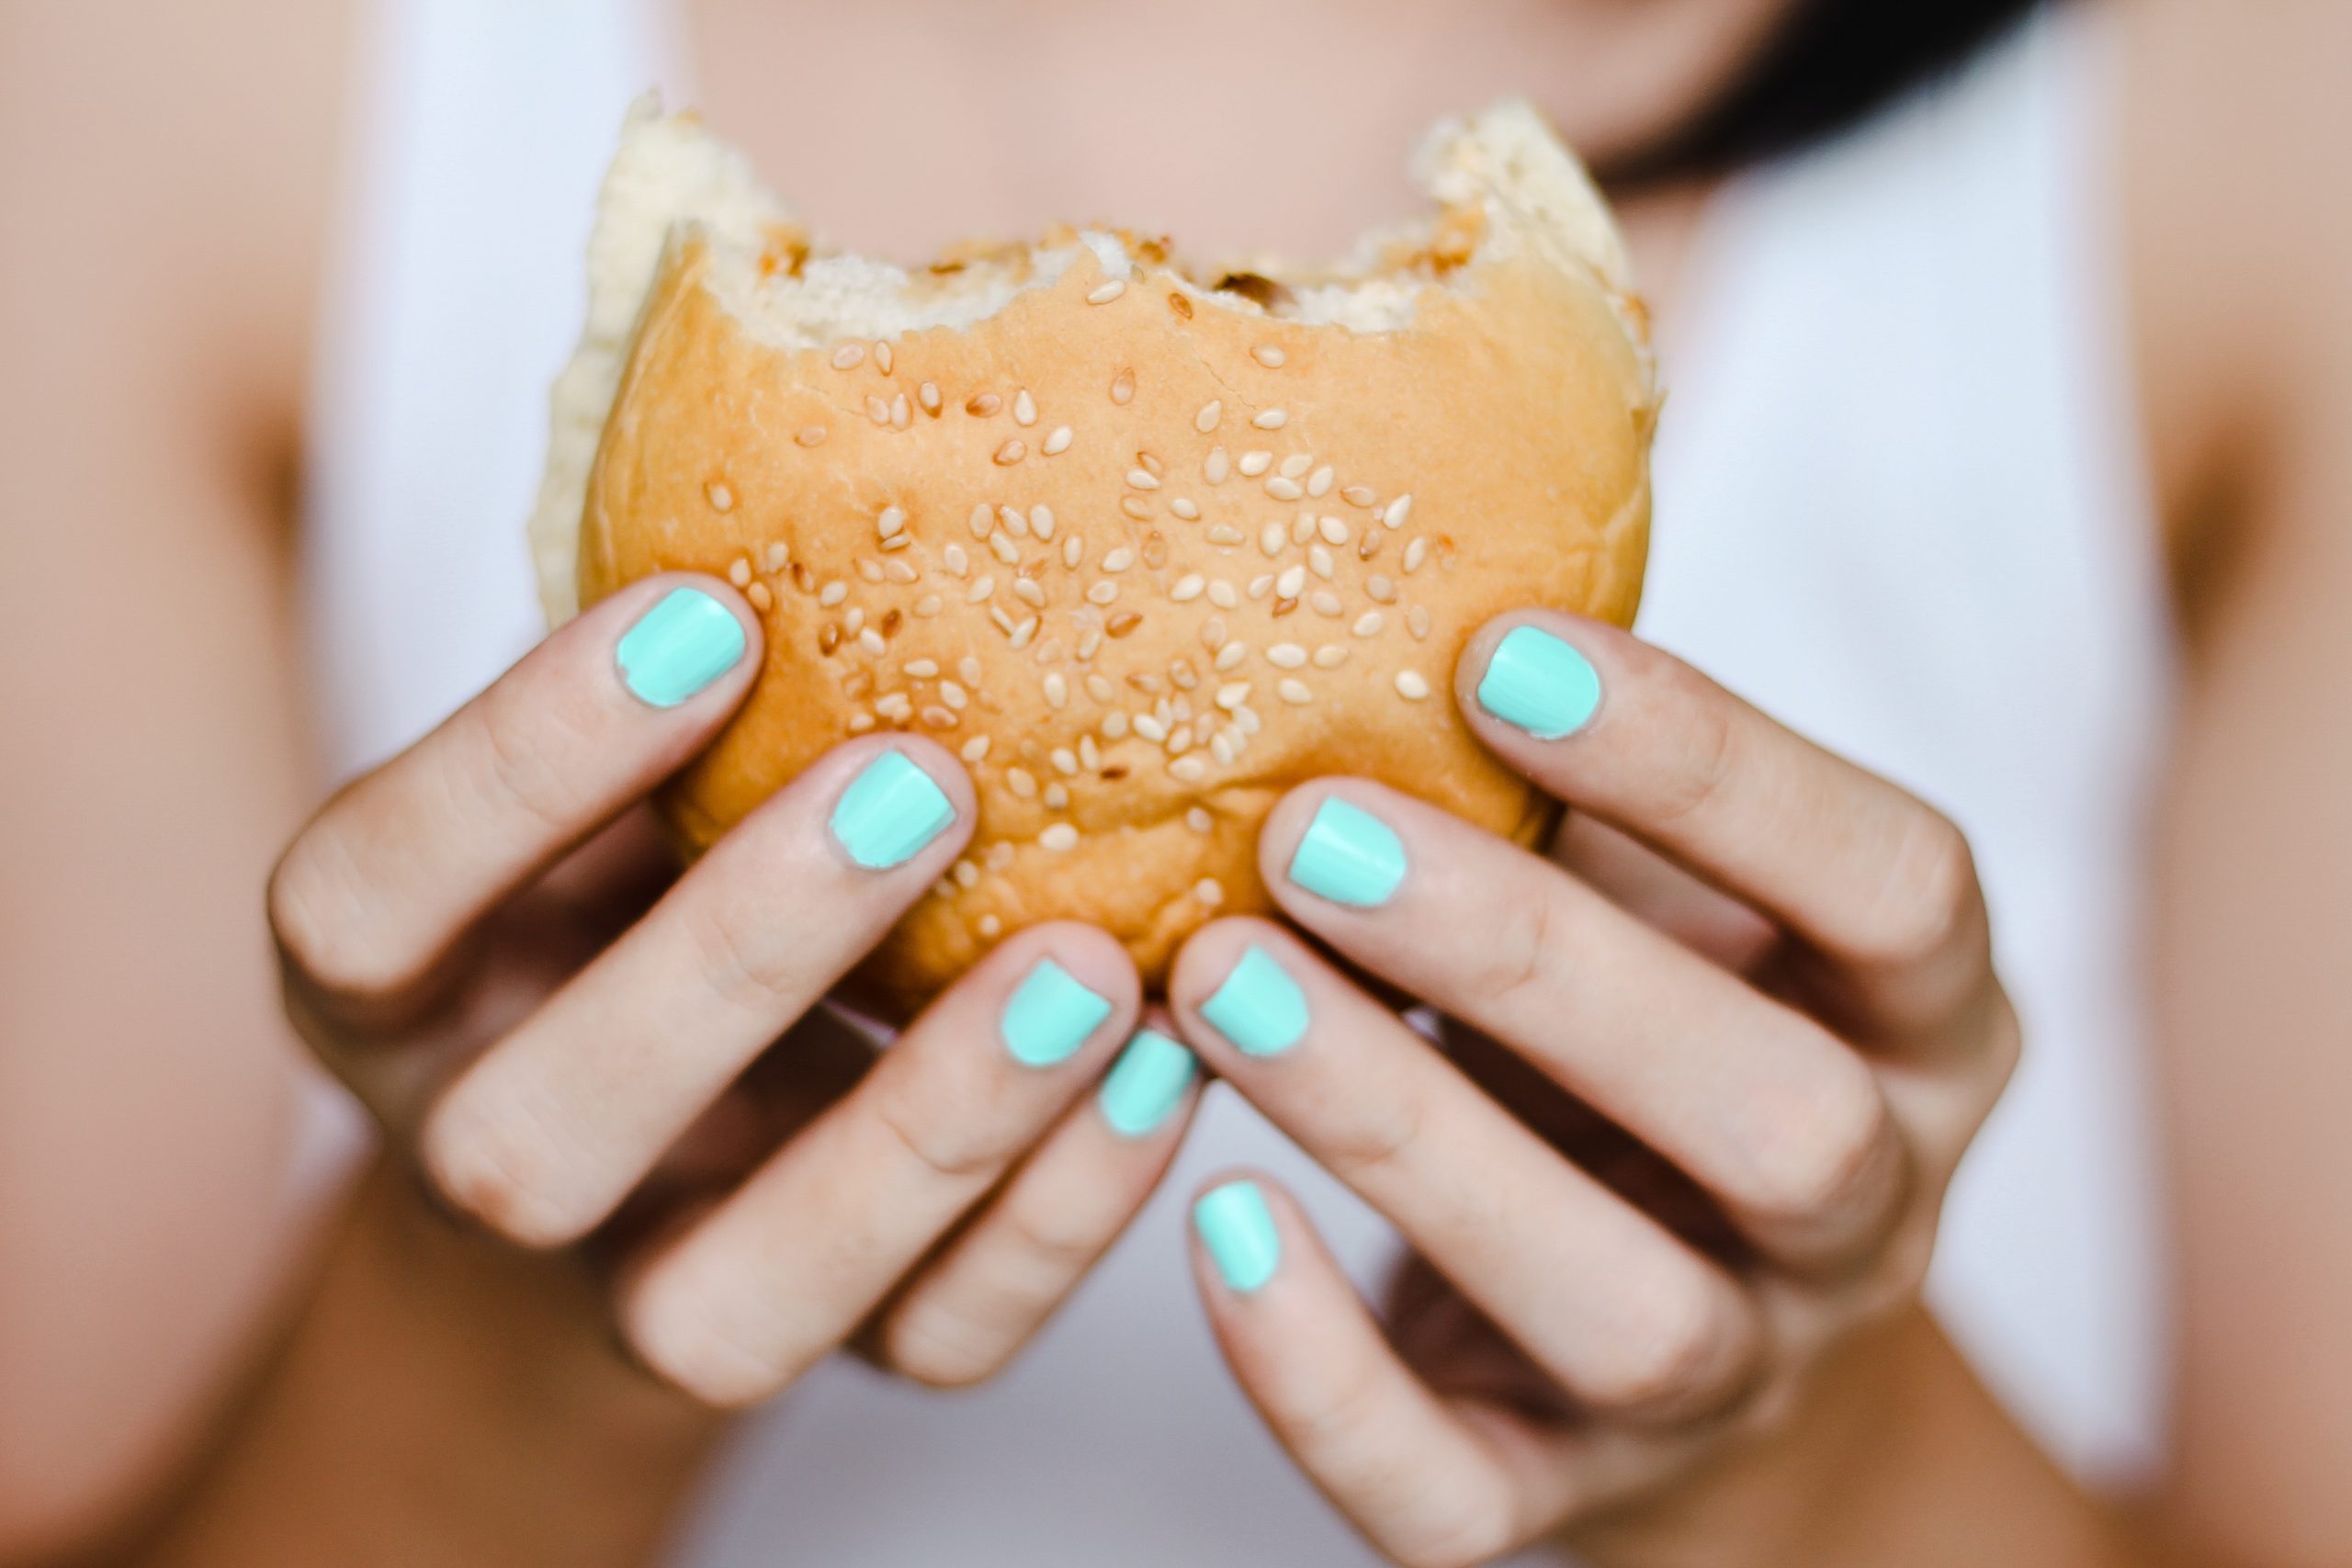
1369 623
832 594
1319 482
1099 688
876 409
1227 533
721 499
928 605
1124 623
859 723
1073 550
1416 553
1209 891
980 590
1001 621
1023 633
1123 389
1119 559
802 578
1057 441
1139 479
901 416
939 719
1222 596
1380 589
1061 835
1188 587
1294 692
1286 656
1232 694
1211 412
1417 621
983 518
1188 770
849 357
1057 690
1182 672
1255 463
1182 507
1102 294
1282 489
983 405
1302 528
1041 520
871 640
1271 419
1029 593
892 520
1065 761
1090 755
1151 729
1020 781
870 569
1334 531
975 749
1154 549
894 568
989 926
1271 539
1371 545
1213 633
762 599
1283 608
739 573
1398 510
1231 654
1011 453
1330 656
811 435
1114 726
1411 686
1180 740
1261 585
1016 522
895 707
1267 354
958 561
1218 468
1090 642
1359 495
1318 561
1287 585
1136 507
1024 408
1004 550
1051 652
928 396
1247 718
954 696
1101 593
922 669
1056 793
853 620
1294 464
967 875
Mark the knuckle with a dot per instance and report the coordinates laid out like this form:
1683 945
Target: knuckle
944 1138
1927 900
1709 753
518 1183
745 957
1518 957
319 918
1674 1357
1835 1160
1451 1534
677 1326
1371 1139
517 759
938 1347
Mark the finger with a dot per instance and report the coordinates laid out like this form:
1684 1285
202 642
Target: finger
783 1270
1424 1482
969 1311
1624 1314
1882 888
542 1135
372 895
1779 1119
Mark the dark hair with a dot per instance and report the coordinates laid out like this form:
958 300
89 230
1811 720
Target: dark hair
1830 63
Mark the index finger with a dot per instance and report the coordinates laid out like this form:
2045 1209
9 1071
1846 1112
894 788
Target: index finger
1870 879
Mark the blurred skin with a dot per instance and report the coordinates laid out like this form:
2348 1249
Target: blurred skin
157 276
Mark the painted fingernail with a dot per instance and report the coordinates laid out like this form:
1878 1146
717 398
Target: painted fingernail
1539 684
1238 1230
1050 1016
682 644
1145 1083
1259 1007
890 812
1348 856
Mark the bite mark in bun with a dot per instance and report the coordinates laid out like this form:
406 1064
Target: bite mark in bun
1145 545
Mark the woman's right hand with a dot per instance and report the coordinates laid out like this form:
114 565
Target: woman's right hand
466 943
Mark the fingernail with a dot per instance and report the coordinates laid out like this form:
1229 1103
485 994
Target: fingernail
1050 1016
1348 856
1539 684
677 647
1145 1084
1259 1007
1238 1230
890 812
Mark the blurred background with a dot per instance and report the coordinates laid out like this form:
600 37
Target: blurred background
1998 338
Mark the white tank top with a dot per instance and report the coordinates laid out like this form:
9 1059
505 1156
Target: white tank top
1900 505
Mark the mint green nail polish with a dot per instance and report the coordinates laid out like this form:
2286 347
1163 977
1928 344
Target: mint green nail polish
1259 1007
890 812
1145 1084
677 647
1540 684
1050 1016
1238 1230
1348 856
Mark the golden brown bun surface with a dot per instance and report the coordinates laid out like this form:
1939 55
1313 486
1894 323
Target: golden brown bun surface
1144 562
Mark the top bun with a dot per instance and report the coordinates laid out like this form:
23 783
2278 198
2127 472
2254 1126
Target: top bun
1145 544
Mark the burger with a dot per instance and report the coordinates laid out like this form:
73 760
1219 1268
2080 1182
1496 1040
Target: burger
1144 542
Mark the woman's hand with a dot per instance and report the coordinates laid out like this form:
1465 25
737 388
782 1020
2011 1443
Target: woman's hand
466 945
1670 1181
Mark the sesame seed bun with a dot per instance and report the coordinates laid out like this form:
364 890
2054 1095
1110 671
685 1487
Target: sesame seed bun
1146 544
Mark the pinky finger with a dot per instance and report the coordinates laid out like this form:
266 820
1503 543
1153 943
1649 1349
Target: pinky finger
973 1306
1431 1483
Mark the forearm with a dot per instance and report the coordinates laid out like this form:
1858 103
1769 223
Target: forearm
439 1402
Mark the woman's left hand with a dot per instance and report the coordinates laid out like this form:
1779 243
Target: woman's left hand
1782 1121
